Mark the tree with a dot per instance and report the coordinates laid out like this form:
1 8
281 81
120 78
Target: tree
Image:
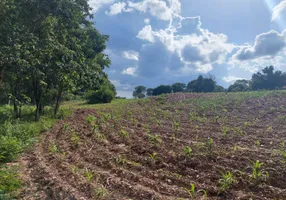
139 92
178 87
149 92
268 79
239 85
162 89
201 85
49 45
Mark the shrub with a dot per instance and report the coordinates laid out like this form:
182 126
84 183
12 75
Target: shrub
9 182
102 95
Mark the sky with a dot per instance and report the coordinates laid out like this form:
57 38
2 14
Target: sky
154 42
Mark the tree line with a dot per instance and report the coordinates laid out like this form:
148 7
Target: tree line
48 49
268 79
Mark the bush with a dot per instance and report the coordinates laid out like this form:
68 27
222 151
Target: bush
102 95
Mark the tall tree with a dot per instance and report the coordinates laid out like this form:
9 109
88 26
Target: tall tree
178 87
139 92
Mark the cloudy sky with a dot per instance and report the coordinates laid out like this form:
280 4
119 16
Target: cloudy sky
156 42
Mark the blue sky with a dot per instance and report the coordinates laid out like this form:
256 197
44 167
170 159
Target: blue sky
155 42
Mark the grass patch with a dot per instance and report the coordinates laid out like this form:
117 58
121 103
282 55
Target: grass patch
16 135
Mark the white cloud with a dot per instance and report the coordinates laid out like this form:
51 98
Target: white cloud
131 55
147 21
266 44
118 8
130 71
162 9
231 79
277 11
97 4
146 34
196 47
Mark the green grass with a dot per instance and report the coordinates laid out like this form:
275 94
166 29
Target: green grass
16 135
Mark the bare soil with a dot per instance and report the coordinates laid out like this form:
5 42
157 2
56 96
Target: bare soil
108 156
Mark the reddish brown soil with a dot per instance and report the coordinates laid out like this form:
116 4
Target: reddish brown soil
62 174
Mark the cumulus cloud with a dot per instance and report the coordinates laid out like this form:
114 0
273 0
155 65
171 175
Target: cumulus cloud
161 9
97 4
278 10
131 55
118 8
192 53
196 48
130 71
266 44
146 34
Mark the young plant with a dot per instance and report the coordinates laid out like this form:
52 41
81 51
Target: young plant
100 193
124 133
188 151
75 139
66 126
153 157
89 175
225 131
53 148
119 161
226 181
95 128
193 193
154 139
209 145
257 172
90 119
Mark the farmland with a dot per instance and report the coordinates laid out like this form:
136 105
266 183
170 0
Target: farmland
173 147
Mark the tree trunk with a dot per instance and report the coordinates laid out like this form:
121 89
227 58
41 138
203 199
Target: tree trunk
58 101
38 98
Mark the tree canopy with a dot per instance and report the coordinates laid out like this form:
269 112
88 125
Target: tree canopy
49 45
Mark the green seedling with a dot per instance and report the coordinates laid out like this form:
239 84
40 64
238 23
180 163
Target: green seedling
89 175
100 193
257 172
124 133
153 157
90 119
193 193
188 151
226 181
